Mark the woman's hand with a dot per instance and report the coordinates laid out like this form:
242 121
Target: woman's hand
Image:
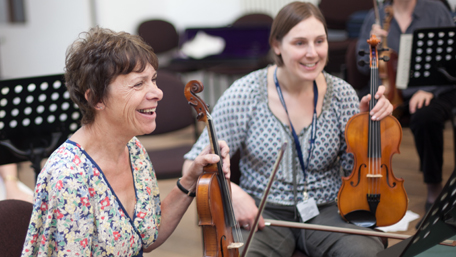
418 99
383 107
245 209
193 169
378 31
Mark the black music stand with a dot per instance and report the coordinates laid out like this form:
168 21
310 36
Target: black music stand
433 55
438 224
36 116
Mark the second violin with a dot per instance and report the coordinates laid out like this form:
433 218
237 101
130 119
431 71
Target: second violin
372 190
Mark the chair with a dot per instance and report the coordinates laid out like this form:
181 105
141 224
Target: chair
14 221
173 114
164 39
253 19
337 14
159 34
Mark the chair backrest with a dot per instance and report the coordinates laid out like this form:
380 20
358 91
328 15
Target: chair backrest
337 12
159 34
14 220
253 19
173 112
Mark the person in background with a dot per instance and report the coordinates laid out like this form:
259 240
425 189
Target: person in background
97 194
295 98
428 107
8 173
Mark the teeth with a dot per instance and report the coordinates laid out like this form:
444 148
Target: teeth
151 110
310 65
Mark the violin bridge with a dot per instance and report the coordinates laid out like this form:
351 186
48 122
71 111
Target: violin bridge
235 245
374 175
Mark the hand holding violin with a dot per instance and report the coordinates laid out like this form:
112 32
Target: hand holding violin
383 107
378 31
193 169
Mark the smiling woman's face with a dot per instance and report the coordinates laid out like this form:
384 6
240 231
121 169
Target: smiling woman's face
304 49
131 102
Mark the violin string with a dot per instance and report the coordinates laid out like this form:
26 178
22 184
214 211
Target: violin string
237 236
377 132
371 133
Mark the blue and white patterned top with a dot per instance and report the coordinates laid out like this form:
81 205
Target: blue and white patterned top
76 212
243 119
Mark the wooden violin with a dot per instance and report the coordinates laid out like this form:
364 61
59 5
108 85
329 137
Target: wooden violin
372 189
221 232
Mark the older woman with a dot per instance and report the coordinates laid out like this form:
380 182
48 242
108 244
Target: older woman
293 100
97 195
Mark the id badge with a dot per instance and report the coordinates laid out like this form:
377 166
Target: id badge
308 208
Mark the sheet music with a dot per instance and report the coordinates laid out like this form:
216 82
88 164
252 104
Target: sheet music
403 63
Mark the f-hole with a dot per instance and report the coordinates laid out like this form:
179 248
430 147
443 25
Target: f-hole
387 177
223 238
359 175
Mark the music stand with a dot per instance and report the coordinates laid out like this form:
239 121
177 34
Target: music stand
433 55
438 224
36 116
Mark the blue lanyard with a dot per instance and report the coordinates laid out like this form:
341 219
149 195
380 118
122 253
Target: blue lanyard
313 124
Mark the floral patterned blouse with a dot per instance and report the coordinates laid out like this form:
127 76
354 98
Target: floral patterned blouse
76 212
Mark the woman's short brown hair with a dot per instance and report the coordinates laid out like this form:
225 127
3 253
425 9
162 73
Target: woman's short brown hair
96 58
290 15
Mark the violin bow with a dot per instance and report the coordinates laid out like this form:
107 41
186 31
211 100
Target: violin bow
263 200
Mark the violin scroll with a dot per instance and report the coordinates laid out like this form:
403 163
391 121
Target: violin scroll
191 89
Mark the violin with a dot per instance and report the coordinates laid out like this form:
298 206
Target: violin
371 195
388 68
221 232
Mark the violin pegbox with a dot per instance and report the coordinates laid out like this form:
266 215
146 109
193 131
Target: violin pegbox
191 89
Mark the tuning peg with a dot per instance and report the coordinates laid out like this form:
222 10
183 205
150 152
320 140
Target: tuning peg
362 63
362 52
385 58
383 49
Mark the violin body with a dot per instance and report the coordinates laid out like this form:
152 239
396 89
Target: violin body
373 175
217 236
221 232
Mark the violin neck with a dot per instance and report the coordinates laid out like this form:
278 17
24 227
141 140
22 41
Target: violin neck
214 145
223 183
373 87
374 140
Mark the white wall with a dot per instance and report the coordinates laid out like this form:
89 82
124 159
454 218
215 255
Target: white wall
38 46
126 15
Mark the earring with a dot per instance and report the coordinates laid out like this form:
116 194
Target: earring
99 107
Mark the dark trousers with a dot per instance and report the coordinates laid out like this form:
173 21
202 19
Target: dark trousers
427 125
